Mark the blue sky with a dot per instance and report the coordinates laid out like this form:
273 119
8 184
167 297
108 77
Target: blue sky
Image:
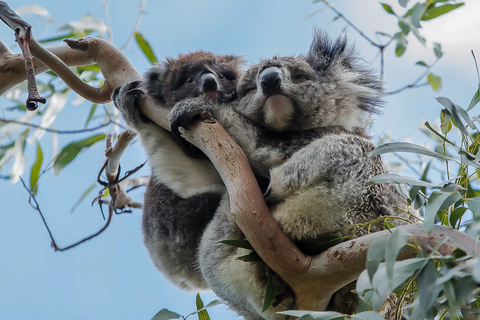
112 277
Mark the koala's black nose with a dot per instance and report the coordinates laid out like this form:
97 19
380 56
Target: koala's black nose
209 83
271 80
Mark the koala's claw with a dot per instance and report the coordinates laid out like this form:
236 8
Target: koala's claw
125 99
186 112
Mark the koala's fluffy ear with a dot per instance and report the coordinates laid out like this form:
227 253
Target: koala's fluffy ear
324 52
156 79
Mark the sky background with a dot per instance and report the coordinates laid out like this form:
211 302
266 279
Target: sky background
112 277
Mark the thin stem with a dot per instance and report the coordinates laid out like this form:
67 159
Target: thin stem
36 206
57 131
415 84
354 27
105 4
141 12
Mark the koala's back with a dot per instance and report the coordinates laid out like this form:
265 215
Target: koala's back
172 227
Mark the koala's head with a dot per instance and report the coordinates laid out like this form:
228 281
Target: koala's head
192 75
326 87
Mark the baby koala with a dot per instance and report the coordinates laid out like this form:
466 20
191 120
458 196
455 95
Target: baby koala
301 122
184 189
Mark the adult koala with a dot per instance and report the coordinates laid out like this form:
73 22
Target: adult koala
302 120
185 189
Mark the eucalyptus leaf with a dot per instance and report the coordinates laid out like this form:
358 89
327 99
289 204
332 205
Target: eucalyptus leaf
434 81
456 215
410 148
145 47
70 151
396 178
388 8
367 315
397 241
437 49
269 292
325 315
375 255
238 243
437 201
401 44
35 171
166 314
426 286
201 312
436 11
475 99
474 205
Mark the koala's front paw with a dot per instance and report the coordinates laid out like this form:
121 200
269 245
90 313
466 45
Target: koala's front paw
125 100
187 111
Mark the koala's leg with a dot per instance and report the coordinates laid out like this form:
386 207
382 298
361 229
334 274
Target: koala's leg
241 284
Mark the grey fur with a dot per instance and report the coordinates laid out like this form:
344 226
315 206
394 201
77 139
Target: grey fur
309 138
184 190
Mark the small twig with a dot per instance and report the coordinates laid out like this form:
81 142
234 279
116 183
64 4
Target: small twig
36 206
105 4
415 84
476 66
141 12
33 96
360 32
57 131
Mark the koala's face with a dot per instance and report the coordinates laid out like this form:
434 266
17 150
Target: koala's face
323 88
195 74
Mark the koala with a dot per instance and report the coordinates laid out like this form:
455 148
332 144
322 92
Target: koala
185 189
300 121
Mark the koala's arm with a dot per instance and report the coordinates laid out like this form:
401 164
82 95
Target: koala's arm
170 165
333 160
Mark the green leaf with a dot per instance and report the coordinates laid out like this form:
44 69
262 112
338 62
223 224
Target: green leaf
375 255
437 201
324 315
426 286
388 8
475 99
57 38
238 243
438 134
456 215
82 197
145 47
269 292
367 315
435 82
35 171
407 147
166 314
421 63
90 114
396 178
401 44
437 49
69 152
434 12
202 313
457 112
403 3
417 13
446 121
474 205
397 241
251 257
